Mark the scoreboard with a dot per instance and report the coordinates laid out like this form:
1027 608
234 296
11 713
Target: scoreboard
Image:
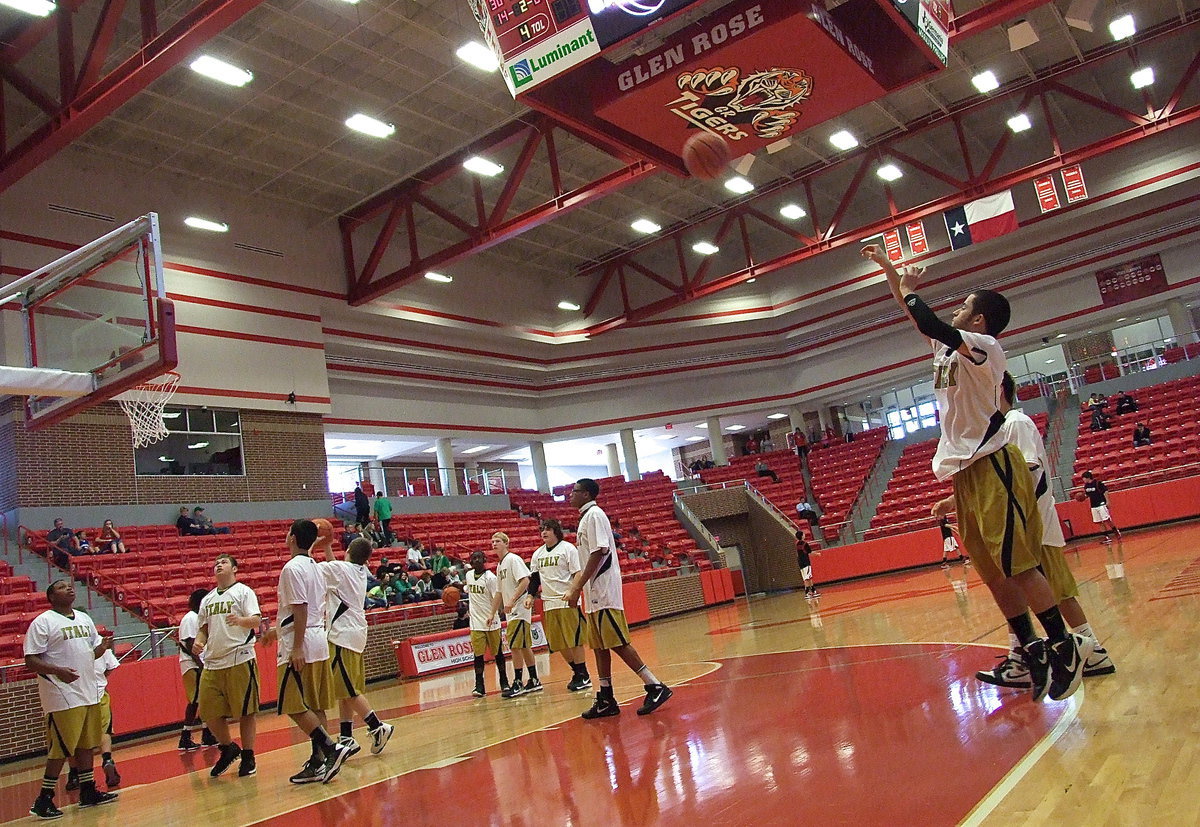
519 24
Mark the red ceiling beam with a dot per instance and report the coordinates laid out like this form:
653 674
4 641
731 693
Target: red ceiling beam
990 15
84 104
491 224
833 235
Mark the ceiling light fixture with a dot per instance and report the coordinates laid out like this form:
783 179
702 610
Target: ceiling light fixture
566 305
1019 122
645 225
739 185
197 445
478 449
735 427
211 67
441 278
1122 27
843 140
482 166
986 82
370 126
197 223
478 55
38 8
430 450
694 439
777 416
1061 336
792 211
166 458
1142 77
704 248
889 172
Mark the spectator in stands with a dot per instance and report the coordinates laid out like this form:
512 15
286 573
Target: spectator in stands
830 435
1099 419
800 443
184 522
385 567
370 532
454 578
403 585
1126 403
751 446
63 543
696 467
849 435
416 559
383 513
205 525
708 463
763 470
423 588
806 511
766 444
350 534
109 540
1141 435
85 547
379 595
461 621
440 561
362 506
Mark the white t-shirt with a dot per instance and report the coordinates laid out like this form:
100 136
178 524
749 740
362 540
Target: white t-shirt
595 532
105 664
557 567
189 627
301 581
413 555
227 645
1021 431
481 591
968 396
347 584
511 571
70 642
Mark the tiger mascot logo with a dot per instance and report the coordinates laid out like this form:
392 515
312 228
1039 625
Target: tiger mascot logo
766 100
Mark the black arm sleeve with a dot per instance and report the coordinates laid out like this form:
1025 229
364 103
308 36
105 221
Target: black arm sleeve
535 583
929 324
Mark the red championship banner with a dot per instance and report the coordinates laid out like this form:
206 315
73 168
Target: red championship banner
1073 181
1132 280
916 238
891 243
1047 193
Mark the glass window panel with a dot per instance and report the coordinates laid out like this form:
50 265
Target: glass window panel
228 422
175 417
201 419
194 447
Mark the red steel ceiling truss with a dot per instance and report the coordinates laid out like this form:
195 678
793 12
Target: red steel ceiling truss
85 94
491 223
738 226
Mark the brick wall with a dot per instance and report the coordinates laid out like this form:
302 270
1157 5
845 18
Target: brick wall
674 595
723 502
379 657
89 458
768 545
8 453
22 727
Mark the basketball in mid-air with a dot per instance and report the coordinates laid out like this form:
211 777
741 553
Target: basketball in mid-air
450 596
706 155
324 531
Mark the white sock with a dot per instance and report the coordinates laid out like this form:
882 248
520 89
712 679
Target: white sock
1085 629
646 675
1014 643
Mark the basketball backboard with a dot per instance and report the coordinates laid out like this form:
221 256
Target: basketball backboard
97 323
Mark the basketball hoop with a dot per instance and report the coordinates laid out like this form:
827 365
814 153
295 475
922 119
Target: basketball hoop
144 407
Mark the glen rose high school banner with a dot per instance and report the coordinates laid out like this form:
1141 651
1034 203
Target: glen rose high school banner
1135 279
752 73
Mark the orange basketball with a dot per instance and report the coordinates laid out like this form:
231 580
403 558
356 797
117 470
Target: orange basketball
706 155
451 595
324 531
1080 496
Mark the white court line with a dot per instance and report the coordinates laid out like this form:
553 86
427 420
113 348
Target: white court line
1013 777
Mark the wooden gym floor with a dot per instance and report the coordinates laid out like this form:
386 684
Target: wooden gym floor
859 708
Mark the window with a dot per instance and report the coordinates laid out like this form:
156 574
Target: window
907 420
202 441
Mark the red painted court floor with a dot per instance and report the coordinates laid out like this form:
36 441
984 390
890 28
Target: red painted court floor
881 734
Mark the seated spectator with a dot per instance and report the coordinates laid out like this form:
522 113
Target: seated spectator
350 534
371 533
205 525
440 561
85 547
1141 435
1100 420
423 588
461 621
109 540
385 567
806 511
184 523
405 592
381 594
63 543
416 560
454 578
708 463
764 470
1095 401
696 466
1126 403
751 445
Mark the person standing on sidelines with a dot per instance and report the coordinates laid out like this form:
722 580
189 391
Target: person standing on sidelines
305 689
553 567
191 667
514 597
61 647
1097 494
607 629
229 619
347 582
483 601
804 562
949 544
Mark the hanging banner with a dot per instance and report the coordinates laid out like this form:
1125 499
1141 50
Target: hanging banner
916 238
1137 279
1047 193
1073 181
891 243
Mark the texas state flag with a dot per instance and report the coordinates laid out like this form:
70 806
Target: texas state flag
980 220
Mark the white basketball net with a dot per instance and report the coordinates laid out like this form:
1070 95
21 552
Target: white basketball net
144 407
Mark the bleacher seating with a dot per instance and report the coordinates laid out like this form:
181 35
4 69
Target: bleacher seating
1169 409
654 543
912 490
544 507
783 494
19 604
839 471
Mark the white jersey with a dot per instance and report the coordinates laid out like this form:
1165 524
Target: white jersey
228 645
557 567
968 396
65 641
1021 431
511 571
595 532
105 664
347 584
301 581
189 627
481 590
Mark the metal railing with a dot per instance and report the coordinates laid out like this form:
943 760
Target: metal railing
713 544
770 506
